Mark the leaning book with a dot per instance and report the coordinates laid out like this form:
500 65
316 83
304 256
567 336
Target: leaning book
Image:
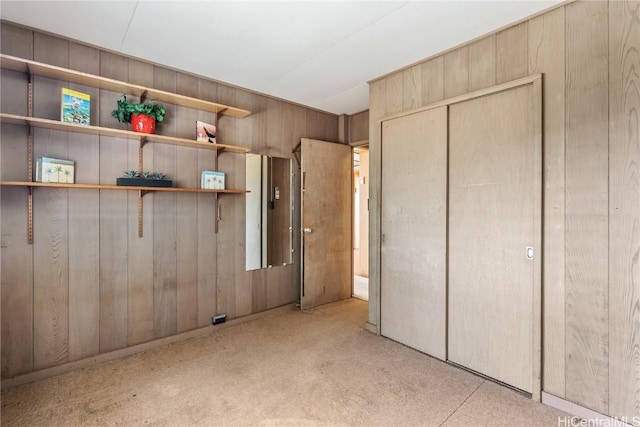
76 107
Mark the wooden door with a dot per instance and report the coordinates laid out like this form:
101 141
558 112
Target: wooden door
326 222
494 215
414 232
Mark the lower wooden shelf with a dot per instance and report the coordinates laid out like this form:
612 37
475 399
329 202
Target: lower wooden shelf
141 192
117 187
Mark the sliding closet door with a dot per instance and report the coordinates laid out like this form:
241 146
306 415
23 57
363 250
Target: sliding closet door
494 216
414 185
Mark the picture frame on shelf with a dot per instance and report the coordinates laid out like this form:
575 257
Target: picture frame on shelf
212 180
205 132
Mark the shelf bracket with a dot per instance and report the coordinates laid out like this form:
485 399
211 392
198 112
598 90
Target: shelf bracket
216 204
30 216
143 96
141 194
140 157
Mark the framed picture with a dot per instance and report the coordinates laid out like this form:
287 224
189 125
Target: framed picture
75 107
212 180
55 170
205 132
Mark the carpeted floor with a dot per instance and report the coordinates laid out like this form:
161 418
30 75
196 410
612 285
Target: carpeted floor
314 368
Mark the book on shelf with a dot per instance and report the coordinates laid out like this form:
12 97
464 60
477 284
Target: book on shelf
205 132
75 107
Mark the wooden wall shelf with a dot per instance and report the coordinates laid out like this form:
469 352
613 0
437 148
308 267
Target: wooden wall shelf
118 133
51 71
117 187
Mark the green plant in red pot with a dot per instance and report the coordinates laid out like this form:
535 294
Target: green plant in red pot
142 116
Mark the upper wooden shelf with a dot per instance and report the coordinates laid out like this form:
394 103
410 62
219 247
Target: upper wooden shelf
117 187
59 73
119 133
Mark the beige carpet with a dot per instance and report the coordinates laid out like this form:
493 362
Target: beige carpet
315 368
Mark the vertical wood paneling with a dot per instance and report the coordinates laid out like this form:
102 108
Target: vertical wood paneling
164 221
377 97
586 225
207 246
84 229
113 219
394 94
359 126
187 175
511 49
546 55
243 280
111 301
456 72
482 63
412 87
16 41
226 270
84 253
139 249
51 272
16 257
624 209
433 80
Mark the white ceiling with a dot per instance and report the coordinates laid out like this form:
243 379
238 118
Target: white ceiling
316 53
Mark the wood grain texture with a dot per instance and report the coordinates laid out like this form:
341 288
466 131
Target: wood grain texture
394 94
511 53
207 247
482 63
139 249
327 170
164 222
51 272
377 95
243 297
16 41
359 126
412 88
456 72
492 219
624 209
433 80
226 270
187 212
587 208
547 55
84 251
113 220
16 256
413 301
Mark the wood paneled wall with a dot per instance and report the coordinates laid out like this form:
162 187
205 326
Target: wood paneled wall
588 54
359 127
89 284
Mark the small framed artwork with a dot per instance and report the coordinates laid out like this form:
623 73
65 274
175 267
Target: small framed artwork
55 170
205 132
75 107
212 180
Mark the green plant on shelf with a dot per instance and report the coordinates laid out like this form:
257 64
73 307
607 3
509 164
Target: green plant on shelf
126 109
144 175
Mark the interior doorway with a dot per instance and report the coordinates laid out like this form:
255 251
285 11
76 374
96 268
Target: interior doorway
361 222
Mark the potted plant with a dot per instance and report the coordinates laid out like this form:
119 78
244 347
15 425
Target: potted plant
143 179
142 116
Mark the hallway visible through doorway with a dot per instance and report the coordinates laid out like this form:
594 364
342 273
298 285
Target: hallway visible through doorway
361 222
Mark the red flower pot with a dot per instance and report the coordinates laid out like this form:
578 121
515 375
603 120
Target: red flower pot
143 123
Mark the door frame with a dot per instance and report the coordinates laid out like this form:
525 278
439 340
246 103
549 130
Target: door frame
375 244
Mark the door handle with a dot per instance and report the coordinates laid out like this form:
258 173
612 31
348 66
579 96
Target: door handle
307 230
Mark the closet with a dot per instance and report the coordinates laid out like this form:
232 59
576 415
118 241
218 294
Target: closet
461 231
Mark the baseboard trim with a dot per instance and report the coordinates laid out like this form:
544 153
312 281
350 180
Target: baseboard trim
138 348
371 328
592 417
